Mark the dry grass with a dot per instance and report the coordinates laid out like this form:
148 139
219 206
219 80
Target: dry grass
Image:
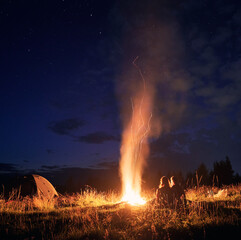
93 215
204 193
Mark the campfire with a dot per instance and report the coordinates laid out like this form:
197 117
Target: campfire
134 147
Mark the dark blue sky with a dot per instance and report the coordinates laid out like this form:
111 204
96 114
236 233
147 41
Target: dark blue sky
62 63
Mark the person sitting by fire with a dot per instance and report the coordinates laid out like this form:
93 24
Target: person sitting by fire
163 193
178 194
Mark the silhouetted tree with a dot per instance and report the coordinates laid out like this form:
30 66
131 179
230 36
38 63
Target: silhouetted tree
223 171
190 179
237 178
203 174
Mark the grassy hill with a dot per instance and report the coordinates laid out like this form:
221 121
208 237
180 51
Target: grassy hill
211 213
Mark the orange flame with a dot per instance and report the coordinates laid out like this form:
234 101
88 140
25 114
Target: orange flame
134 148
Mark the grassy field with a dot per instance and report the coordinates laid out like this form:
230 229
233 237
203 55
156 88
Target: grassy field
211 213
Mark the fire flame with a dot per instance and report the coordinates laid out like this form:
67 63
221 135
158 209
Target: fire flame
134 148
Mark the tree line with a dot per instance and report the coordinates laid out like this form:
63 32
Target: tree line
222 173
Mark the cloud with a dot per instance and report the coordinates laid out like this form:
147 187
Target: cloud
187 150
219 98
170 143
212 59
105 165
206 63
232 71
237 17
8 167
96 138
195 66
50 167
199 43
223 34
66 126
49 151
224 96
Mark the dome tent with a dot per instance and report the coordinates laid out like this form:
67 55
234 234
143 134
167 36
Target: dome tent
33 184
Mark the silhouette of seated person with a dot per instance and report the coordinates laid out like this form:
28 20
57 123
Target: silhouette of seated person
163 193
178 194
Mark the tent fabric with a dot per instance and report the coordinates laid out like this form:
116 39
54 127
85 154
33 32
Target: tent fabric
44 187
26 185
30 185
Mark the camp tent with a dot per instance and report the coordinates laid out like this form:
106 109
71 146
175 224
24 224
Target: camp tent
30 185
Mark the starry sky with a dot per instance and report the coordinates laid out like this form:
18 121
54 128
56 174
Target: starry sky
63 61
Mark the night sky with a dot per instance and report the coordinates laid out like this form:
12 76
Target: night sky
62 64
